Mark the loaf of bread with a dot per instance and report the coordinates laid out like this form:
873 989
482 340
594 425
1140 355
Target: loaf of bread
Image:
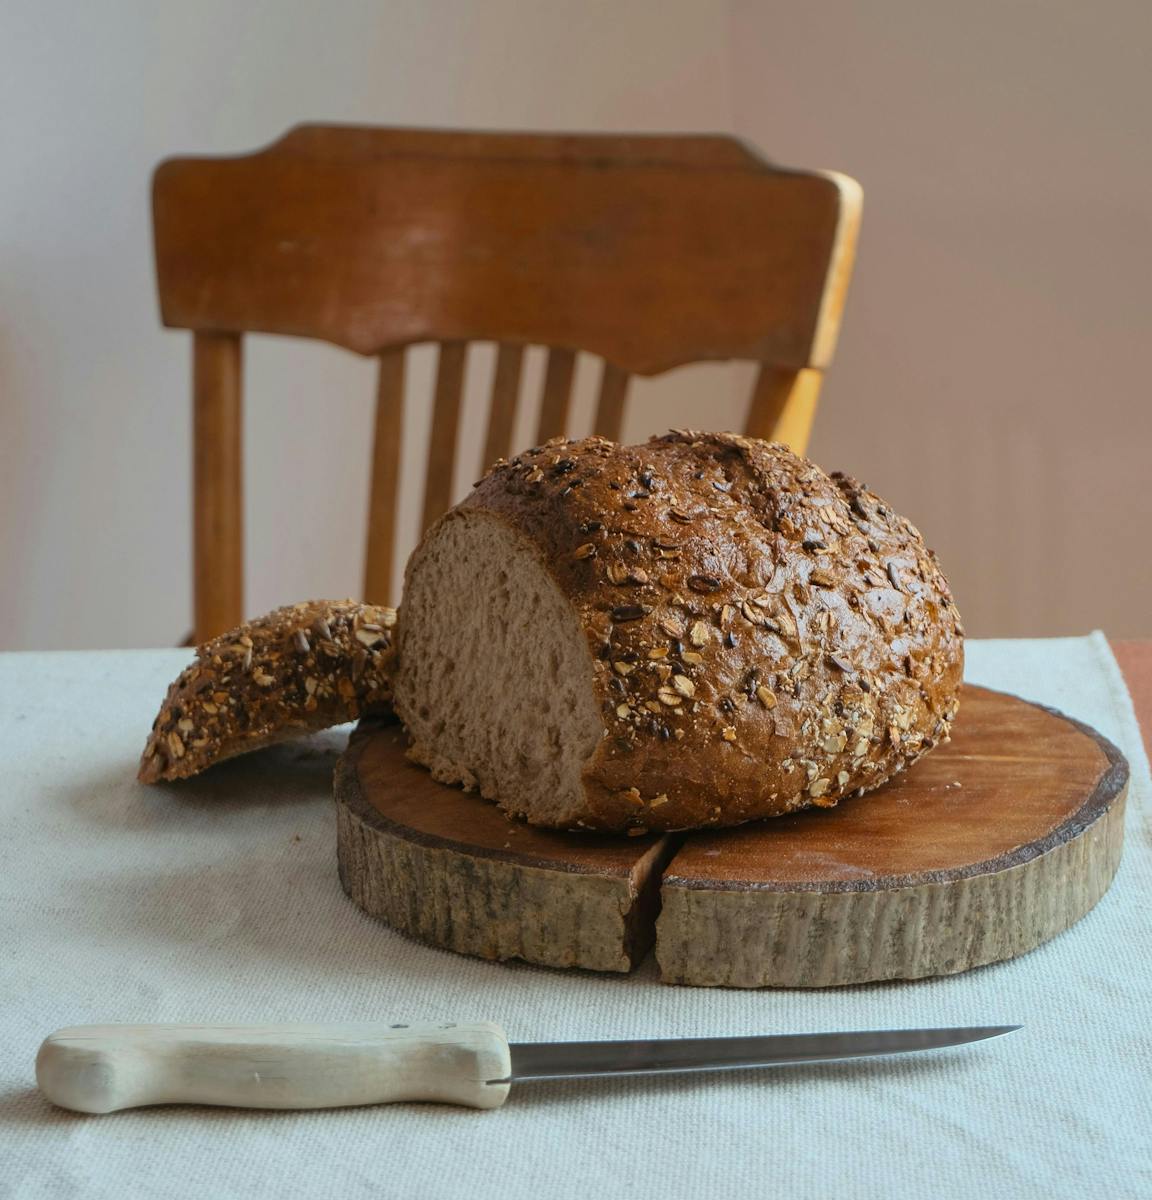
298 669
698 631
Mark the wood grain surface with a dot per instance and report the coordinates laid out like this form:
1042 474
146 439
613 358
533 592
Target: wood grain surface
989 846
648 251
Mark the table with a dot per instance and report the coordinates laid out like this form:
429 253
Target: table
217 900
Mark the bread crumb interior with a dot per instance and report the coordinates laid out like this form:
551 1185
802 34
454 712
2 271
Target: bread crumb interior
495 678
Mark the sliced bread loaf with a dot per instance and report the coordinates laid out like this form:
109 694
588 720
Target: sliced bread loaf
698 631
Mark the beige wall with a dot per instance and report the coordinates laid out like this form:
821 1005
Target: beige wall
992 378
987 380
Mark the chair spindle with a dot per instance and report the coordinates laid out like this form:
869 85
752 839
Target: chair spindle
505 395
445 426
557 396
387 444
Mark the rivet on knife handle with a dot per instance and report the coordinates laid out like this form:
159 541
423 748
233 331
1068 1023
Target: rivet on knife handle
103 1068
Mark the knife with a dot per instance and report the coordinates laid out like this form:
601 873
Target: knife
104 1068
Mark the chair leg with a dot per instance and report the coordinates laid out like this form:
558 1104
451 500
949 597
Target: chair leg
783 406
218 489
384 492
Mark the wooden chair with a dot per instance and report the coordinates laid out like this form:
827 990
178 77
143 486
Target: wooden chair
649 252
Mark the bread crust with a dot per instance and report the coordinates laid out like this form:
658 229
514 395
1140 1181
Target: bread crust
298 669
765 637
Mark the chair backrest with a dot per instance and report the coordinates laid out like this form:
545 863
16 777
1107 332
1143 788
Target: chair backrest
648 251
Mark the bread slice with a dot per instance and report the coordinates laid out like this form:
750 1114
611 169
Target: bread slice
499 678
698 631
291 672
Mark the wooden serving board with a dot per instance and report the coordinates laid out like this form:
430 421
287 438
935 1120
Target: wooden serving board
989 846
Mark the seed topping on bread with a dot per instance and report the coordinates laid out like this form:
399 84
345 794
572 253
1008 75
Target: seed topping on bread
737 599
301 668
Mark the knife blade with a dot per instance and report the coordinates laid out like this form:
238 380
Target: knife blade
572 1060
105 1068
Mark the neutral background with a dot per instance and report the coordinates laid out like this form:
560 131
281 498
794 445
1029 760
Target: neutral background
990 381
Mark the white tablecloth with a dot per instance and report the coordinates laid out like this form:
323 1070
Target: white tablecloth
218 900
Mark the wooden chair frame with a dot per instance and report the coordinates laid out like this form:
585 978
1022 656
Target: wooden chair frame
648 251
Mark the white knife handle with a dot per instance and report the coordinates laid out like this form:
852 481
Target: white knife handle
102 1068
